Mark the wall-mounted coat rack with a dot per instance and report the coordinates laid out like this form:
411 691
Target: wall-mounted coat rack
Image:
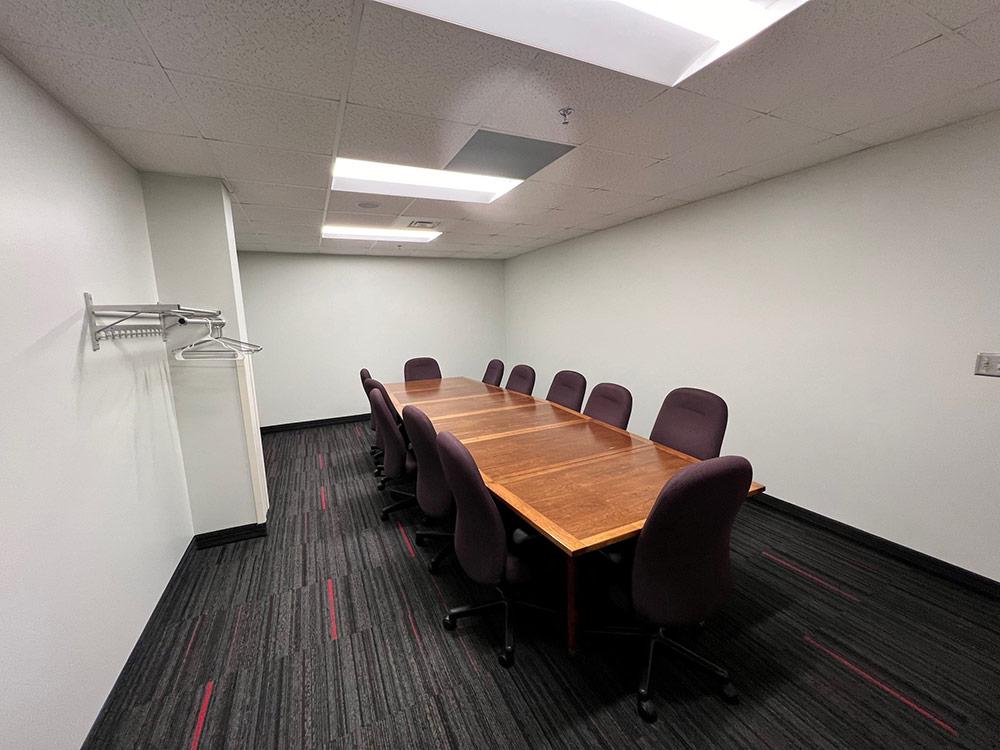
167 316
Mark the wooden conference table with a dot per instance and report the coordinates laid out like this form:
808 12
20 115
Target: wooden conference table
579 482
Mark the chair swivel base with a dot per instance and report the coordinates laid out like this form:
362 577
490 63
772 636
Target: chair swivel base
404 500
422 535
506 656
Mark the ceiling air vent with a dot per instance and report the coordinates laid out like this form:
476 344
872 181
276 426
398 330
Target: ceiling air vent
423 224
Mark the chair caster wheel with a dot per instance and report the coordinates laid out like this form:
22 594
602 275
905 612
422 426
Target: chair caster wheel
728 693
385 515
419 540
647 711
432 568
377 472
506 659
380 486
449 623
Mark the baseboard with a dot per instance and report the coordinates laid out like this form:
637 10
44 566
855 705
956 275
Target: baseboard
953 573
230 535
314 423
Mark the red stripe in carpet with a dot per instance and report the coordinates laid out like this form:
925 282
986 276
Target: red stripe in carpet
881 685
333 614
818 580
322 494
201 715
406 539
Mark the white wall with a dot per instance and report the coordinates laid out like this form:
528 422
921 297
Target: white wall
321 318
194 253
94 515
838 311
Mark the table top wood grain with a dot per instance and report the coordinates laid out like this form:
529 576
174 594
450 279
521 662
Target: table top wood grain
579 482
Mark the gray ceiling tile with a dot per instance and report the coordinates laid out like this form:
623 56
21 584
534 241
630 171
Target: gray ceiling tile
299 46
665 177
714 186
806 156
238 113
305 216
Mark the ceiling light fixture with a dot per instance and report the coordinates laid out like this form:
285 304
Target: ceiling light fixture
358 176
666 41
379 234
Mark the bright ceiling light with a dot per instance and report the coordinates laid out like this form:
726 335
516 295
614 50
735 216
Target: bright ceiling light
664 41
359 176
379 234
721 20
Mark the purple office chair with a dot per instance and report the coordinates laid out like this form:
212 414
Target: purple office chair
433 493
681 574
421 368
567 389
370 385
480 540
399 464
521 379
610 403
691 421
366 376
494 372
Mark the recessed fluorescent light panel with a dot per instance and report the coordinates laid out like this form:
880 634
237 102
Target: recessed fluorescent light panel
379 234
664 41
358 176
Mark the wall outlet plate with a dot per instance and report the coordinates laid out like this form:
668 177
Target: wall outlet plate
988 364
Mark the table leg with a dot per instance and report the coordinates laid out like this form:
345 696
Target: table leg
572 618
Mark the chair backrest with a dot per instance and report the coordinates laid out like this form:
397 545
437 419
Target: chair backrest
366 376
480 540
433 493
610 403
494 372
421 368
691 421
681 570
567 389
521 379
377 385
390 437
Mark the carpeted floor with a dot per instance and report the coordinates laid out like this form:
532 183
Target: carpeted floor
327 634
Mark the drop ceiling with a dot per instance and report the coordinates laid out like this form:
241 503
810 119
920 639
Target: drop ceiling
265 94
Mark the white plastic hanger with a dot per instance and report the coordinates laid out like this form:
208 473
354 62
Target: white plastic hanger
215 348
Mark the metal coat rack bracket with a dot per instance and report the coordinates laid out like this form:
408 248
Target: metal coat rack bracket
142 325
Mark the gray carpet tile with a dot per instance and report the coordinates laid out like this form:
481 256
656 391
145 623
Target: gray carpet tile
831 644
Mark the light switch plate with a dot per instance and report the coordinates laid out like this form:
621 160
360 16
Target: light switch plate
988 364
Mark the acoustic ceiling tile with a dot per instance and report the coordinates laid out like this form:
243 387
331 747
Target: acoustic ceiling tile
301 46
268 194
411 63
955 13
162 152
598 97
930 71
396 138
307 216
591 167
242 162
92 27
106 92
238 113
806 156
673 122
811 48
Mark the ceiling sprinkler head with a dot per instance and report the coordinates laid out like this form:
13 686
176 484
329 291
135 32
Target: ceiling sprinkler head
565 112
